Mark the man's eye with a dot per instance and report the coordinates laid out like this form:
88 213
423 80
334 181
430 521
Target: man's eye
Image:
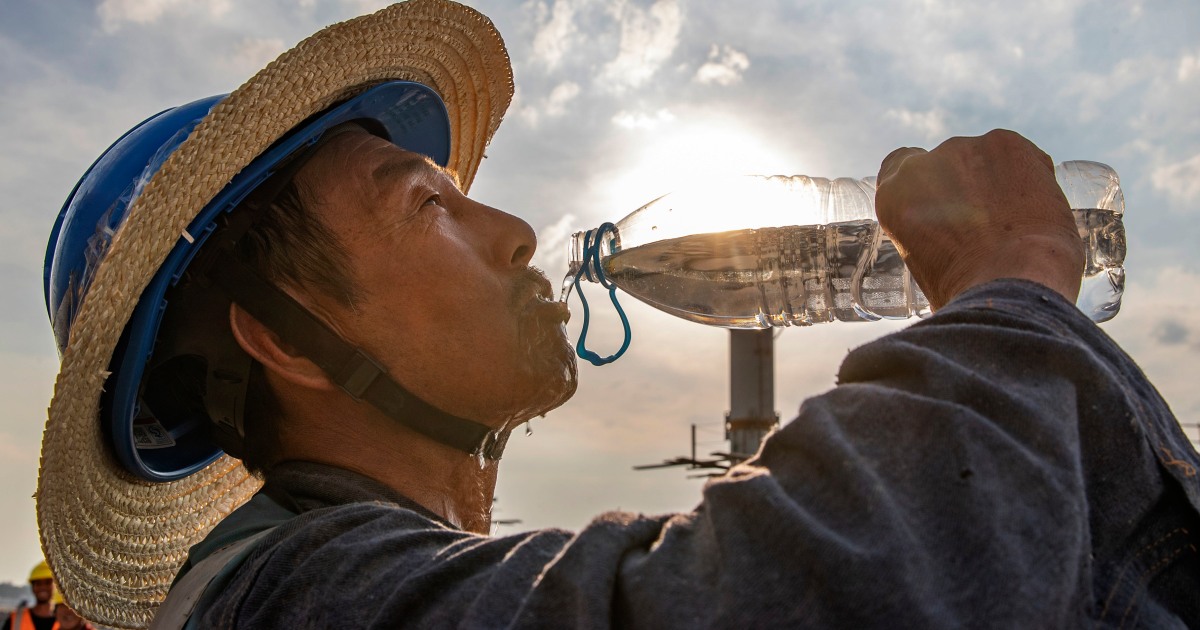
434 199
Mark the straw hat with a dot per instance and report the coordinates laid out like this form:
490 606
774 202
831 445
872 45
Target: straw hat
115 542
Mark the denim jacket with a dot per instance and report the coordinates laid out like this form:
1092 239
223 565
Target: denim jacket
1002 464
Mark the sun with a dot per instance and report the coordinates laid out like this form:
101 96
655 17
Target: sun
676 154
666 154
701 149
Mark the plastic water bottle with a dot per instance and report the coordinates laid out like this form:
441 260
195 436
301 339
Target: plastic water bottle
756 252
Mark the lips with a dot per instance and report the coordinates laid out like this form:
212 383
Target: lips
542 287
533 291
546 304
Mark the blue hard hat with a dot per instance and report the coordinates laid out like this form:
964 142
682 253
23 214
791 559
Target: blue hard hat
165 447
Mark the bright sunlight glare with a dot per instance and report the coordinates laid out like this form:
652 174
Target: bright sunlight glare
672 155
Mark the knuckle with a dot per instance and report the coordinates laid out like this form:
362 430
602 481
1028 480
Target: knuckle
895 160
1008 140
1002 135
954 144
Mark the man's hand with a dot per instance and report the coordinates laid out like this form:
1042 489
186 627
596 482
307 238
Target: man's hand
979 209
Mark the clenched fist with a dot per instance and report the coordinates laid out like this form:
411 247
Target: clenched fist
979 209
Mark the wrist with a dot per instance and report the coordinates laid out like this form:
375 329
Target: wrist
1053 262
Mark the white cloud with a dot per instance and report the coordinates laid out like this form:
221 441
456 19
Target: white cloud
1094 92
115 12
555 33
1189 66
553 106
648 39
641 120
254 53
964 49
1180 181
560 96
11 451
552 243
365 6
974 69
526 112
932 123
725 66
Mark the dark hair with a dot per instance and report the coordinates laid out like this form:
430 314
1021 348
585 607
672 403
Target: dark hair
290 246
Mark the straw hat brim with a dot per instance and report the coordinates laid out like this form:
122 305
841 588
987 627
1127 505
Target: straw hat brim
115 542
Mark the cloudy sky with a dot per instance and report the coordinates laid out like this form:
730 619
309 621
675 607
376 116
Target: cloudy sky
618 101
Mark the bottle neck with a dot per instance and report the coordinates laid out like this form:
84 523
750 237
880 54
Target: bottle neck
588 249
575 259
584 254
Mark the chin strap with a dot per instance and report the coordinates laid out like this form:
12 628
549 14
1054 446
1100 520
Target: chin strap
355 371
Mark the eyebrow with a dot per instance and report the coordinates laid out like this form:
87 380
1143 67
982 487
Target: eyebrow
408 167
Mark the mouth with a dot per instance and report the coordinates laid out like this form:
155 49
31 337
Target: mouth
542 289
533 290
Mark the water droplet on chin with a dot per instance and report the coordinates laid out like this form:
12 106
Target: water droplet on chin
528 428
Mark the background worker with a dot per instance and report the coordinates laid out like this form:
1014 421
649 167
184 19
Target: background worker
40 616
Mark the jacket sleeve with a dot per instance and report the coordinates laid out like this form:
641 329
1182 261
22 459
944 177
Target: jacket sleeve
939 484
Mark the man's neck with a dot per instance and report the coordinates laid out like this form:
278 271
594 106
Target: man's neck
444 480
41 609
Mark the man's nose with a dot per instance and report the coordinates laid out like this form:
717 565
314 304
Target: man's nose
512 239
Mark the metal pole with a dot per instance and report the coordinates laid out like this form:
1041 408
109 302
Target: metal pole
751 390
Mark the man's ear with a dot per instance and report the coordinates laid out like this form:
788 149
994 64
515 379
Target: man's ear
267 348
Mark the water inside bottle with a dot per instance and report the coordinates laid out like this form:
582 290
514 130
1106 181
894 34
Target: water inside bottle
795 275
801 275
1103 284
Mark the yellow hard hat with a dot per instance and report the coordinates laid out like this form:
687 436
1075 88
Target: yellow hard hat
57 598
41 572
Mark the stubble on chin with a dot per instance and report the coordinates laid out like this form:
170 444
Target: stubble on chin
548 364
547 360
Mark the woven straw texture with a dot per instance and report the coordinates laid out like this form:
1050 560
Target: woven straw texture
115 542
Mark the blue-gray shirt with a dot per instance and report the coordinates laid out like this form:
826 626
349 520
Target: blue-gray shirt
1002 464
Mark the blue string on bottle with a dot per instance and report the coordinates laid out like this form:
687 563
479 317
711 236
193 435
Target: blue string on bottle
591 261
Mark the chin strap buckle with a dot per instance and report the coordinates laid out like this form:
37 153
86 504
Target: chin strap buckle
357 374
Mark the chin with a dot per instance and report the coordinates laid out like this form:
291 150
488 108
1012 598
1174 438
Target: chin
549 378
564 384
